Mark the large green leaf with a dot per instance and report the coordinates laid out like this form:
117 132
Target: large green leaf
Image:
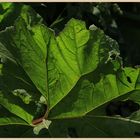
75 52
83 66
70 64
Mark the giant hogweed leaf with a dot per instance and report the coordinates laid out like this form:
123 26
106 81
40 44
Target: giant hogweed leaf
96 126
76 51
29 48
105 85
94 90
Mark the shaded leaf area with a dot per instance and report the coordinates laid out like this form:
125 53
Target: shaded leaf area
135 96
9 12
19 131
95 126
138 83
7 118
13 131
14 78
75 52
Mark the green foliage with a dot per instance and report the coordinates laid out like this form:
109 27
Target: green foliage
48 80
